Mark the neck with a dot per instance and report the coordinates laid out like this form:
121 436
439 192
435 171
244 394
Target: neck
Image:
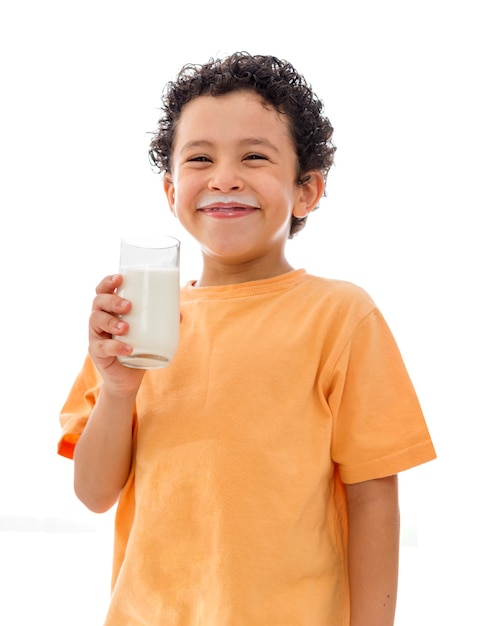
215 274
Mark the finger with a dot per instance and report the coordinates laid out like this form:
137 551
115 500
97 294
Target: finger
102 323
103 332
109 348
111 303
109 284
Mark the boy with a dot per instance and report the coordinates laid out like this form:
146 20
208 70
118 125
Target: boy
256 475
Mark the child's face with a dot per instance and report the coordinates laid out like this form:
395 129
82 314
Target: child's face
233 179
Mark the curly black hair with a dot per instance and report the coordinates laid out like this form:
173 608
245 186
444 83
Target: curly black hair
277 83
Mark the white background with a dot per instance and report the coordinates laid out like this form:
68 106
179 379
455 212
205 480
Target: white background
408 87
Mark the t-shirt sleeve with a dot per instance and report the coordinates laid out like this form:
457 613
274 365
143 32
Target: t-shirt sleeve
78 407
378 425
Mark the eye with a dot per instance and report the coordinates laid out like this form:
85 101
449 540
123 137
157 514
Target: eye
200 159
255 157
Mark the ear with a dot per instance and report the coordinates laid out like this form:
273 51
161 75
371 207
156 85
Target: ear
309 194
169 188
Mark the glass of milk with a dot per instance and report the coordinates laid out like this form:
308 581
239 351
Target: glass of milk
150 268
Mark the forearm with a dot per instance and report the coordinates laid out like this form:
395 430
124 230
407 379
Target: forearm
374 529
103 454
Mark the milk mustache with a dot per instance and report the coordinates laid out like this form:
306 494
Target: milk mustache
154 319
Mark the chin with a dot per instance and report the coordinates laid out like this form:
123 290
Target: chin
230 246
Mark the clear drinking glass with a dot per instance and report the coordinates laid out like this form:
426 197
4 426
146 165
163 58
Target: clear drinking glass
151 281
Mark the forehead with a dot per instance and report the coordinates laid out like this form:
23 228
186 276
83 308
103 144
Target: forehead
232 115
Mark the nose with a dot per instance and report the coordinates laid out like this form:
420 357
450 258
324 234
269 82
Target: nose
225 177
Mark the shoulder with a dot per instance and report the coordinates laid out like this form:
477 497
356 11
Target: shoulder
333 286
338 295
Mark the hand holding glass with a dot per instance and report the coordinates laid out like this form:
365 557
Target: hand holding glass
150 269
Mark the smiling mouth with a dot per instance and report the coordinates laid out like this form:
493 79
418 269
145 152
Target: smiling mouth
227 209
224 212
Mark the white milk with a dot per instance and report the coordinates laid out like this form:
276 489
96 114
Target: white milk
154 319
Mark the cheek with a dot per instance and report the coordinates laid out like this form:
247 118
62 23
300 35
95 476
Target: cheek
174 198
184 208
281 190
186 188
180 213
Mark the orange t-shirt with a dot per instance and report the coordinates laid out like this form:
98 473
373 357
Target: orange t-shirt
234 513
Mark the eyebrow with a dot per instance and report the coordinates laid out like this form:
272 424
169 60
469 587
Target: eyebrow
248 141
